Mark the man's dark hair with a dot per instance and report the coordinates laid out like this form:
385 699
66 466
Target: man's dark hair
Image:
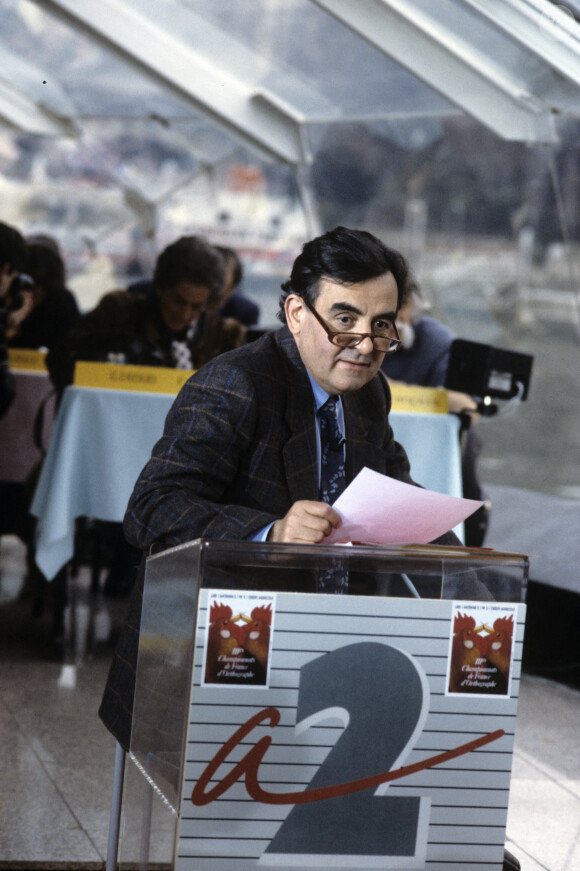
12 247
230 255
346 256
190 259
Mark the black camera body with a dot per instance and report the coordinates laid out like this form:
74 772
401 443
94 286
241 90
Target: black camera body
487 372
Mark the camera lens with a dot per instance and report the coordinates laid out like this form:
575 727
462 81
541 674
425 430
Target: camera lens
21 283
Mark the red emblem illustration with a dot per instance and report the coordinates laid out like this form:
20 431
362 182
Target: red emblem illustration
480 655
238 647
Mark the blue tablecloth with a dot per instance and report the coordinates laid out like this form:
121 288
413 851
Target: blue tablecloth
103 438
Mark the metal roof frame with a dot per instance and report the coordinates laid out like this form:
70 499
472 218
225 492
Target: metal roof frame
498 97
411 32
258 118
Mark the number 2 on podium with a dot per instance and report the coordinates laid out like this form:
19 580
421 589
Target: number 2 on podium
383 697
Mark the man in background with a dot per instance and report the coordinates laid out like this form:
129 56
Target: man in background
233 303
423 359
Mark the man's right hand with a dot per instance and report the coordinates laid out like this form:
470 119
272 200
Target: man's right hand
306 523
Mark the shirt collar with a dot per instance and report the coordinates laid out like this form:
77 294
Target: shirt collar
320 395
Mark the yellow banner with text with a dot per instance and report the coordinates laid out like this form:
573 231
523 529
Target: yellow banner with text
27 359
111 376
158 379
426 400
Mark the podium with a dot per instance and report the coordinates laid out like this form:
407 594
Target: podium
275 726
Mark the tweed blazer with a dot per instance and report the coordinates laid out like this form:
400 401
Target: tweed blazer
238 449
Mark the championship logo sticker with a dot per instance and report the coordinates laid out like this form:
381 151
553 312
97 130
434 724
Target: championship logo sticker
480 649
238 641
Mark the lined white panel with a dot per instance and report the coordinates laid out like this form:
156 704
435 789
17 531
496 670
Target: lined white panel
468 795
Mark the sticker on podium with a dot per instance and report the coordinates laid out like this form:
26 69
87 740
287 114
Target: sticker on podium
480 657
237 639
353 751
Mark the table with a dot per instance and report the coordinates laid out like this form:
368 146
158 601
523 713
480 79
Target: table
103 438
19 453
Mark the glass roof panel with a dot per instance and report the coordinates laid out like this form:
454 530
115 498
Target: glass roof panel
501 48
97 82
293 49
289 57
312 60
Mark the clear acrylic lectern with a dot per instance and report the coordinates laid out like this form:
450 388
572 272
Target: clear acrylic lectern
278 726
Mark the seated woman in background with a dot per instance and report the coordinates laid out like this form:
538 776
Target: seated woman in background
175 325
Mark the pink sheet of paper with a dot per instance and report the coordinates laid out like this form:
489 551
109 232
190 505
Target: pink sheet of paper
376 509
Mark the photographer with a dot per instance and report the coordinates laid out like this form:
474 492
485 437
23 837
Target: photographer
15 303
53 310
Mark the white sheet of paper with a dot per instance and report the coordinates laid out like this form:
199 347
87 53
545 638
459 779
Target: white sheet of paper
376 509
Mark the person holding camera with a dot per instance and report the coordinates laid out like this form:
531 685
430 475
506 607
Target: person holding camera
14 303
53 309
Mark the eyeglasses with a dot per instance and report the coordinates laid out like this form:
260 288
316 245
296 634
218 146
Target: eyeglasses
382 341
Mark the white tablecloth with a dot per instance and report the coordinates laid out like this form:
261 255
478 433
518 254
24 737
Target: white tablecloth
103 438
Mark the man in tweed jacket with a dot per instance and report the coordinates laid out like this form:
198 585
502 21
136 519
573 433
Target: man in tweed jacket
239 457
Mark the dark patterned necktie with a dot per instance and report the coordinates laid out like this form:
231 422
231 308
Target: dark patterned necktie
332 483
